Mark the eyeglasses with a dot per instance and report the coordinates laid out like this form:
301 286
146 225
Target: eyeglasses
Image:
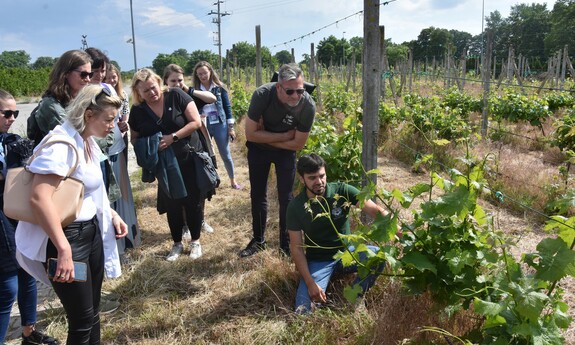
9 113
84 74
290 92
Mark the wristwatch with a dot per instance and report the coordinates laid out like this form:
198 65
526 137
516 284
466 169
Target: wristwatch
175 137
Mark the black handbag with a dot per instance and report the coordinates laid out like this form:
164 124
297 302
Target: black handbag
207 178
198 149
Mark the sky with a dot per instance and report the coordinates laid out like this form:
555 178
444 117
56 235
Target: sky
49 28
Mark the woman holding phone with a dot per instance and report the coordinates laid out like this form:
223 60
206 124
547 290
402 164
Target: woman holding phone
91 238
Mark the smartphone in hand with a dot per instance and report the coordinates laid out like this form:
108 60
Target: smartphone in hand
80 270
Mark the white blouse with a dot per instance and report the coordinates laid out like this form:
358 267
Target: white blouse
31 240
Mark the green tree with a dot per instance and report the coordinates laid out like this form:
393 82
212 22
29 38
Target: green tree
283 57
395 52
330 51
14 59
356 47
246 55
562 30
202 55
44 62
163 60
528 26
431 43
500 29
461 42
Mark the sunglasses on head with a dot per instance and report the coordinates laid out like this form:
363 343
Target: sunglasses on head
290 92
84 74
105 90
9 113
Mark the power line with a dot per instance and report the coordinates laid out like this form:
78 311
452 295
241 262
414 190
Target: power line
328 25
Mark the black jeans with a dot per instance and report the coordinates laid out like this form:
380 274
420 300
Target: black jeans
259 164
81 300
191 207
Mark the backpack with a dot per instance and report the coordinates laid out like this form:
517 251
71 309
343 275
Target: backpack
32 129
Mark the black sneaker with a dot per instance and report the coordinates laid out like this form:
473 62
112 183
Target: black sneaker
252 248
37 338
284 251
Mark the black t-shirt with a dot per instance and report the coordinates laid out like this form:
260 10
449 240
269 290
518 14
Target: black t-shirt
145 122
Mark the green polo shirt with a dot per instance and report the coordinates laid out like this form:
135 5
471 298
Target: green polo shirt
321 238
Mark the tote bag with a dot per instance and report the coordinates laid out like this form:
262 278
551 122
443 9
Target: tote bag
68 195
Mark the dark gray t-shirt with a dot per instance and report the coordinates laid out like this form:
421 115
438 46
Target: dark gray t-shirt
278 117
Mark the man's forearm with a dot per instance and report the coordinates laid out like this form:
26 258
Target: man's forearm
300 261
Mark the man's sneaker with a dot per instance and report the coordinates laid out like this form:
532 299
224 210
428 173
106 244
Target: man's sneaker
207 228
177 249
195 250
186 235
252 248
108 306
36 338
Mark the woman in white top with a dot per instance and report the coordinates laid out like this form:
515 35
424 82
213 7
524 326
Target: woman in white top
92 237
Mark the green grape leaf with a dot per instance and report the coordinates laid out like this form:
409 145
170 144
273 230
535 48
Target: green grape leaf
418 261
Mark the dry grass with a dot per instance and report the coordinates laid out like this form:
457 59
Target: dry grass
222 299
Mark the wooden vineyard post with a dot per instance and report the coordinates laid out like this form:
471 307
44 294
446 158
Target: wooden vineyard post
258 56
383 61
486 73
228 78
312 64
371 77
564 67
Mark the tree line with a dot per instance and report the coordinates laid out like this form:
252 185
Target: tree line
531 30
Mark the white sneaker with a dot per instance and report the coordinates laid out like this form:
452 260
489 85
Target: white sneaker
175 252
195 250
207 228
186 233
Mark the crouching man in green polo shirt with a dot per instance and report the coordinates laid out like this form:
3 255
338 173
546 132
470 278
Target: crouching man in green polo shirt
319 235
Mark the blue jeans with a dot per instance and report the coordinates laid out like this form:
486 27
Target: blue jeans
259 164
23 285
321 272
219 131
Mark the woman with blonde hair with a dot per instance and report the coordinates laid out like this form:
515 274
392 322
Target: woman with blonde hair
168 118
91 238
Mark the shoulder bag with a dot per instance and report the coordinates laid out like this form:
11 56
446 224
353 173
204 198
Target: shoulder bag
67 197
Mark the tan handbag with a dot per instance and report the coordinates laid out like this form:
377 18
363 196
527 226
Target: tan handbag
67 197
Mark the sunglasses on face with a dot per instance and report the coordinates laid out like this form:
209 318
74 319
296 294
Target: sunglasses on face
84 74
290 92
9 113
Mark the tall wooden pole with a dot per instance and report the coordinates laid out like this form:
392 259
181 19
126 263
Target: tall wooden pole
486 73
371 76
258 56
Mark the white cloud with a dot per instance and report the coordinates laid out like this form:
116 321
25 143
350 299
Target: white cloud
166 16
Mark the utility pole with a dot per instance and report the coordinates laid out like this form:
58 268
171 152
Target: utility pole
133 37
218 20
84 42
